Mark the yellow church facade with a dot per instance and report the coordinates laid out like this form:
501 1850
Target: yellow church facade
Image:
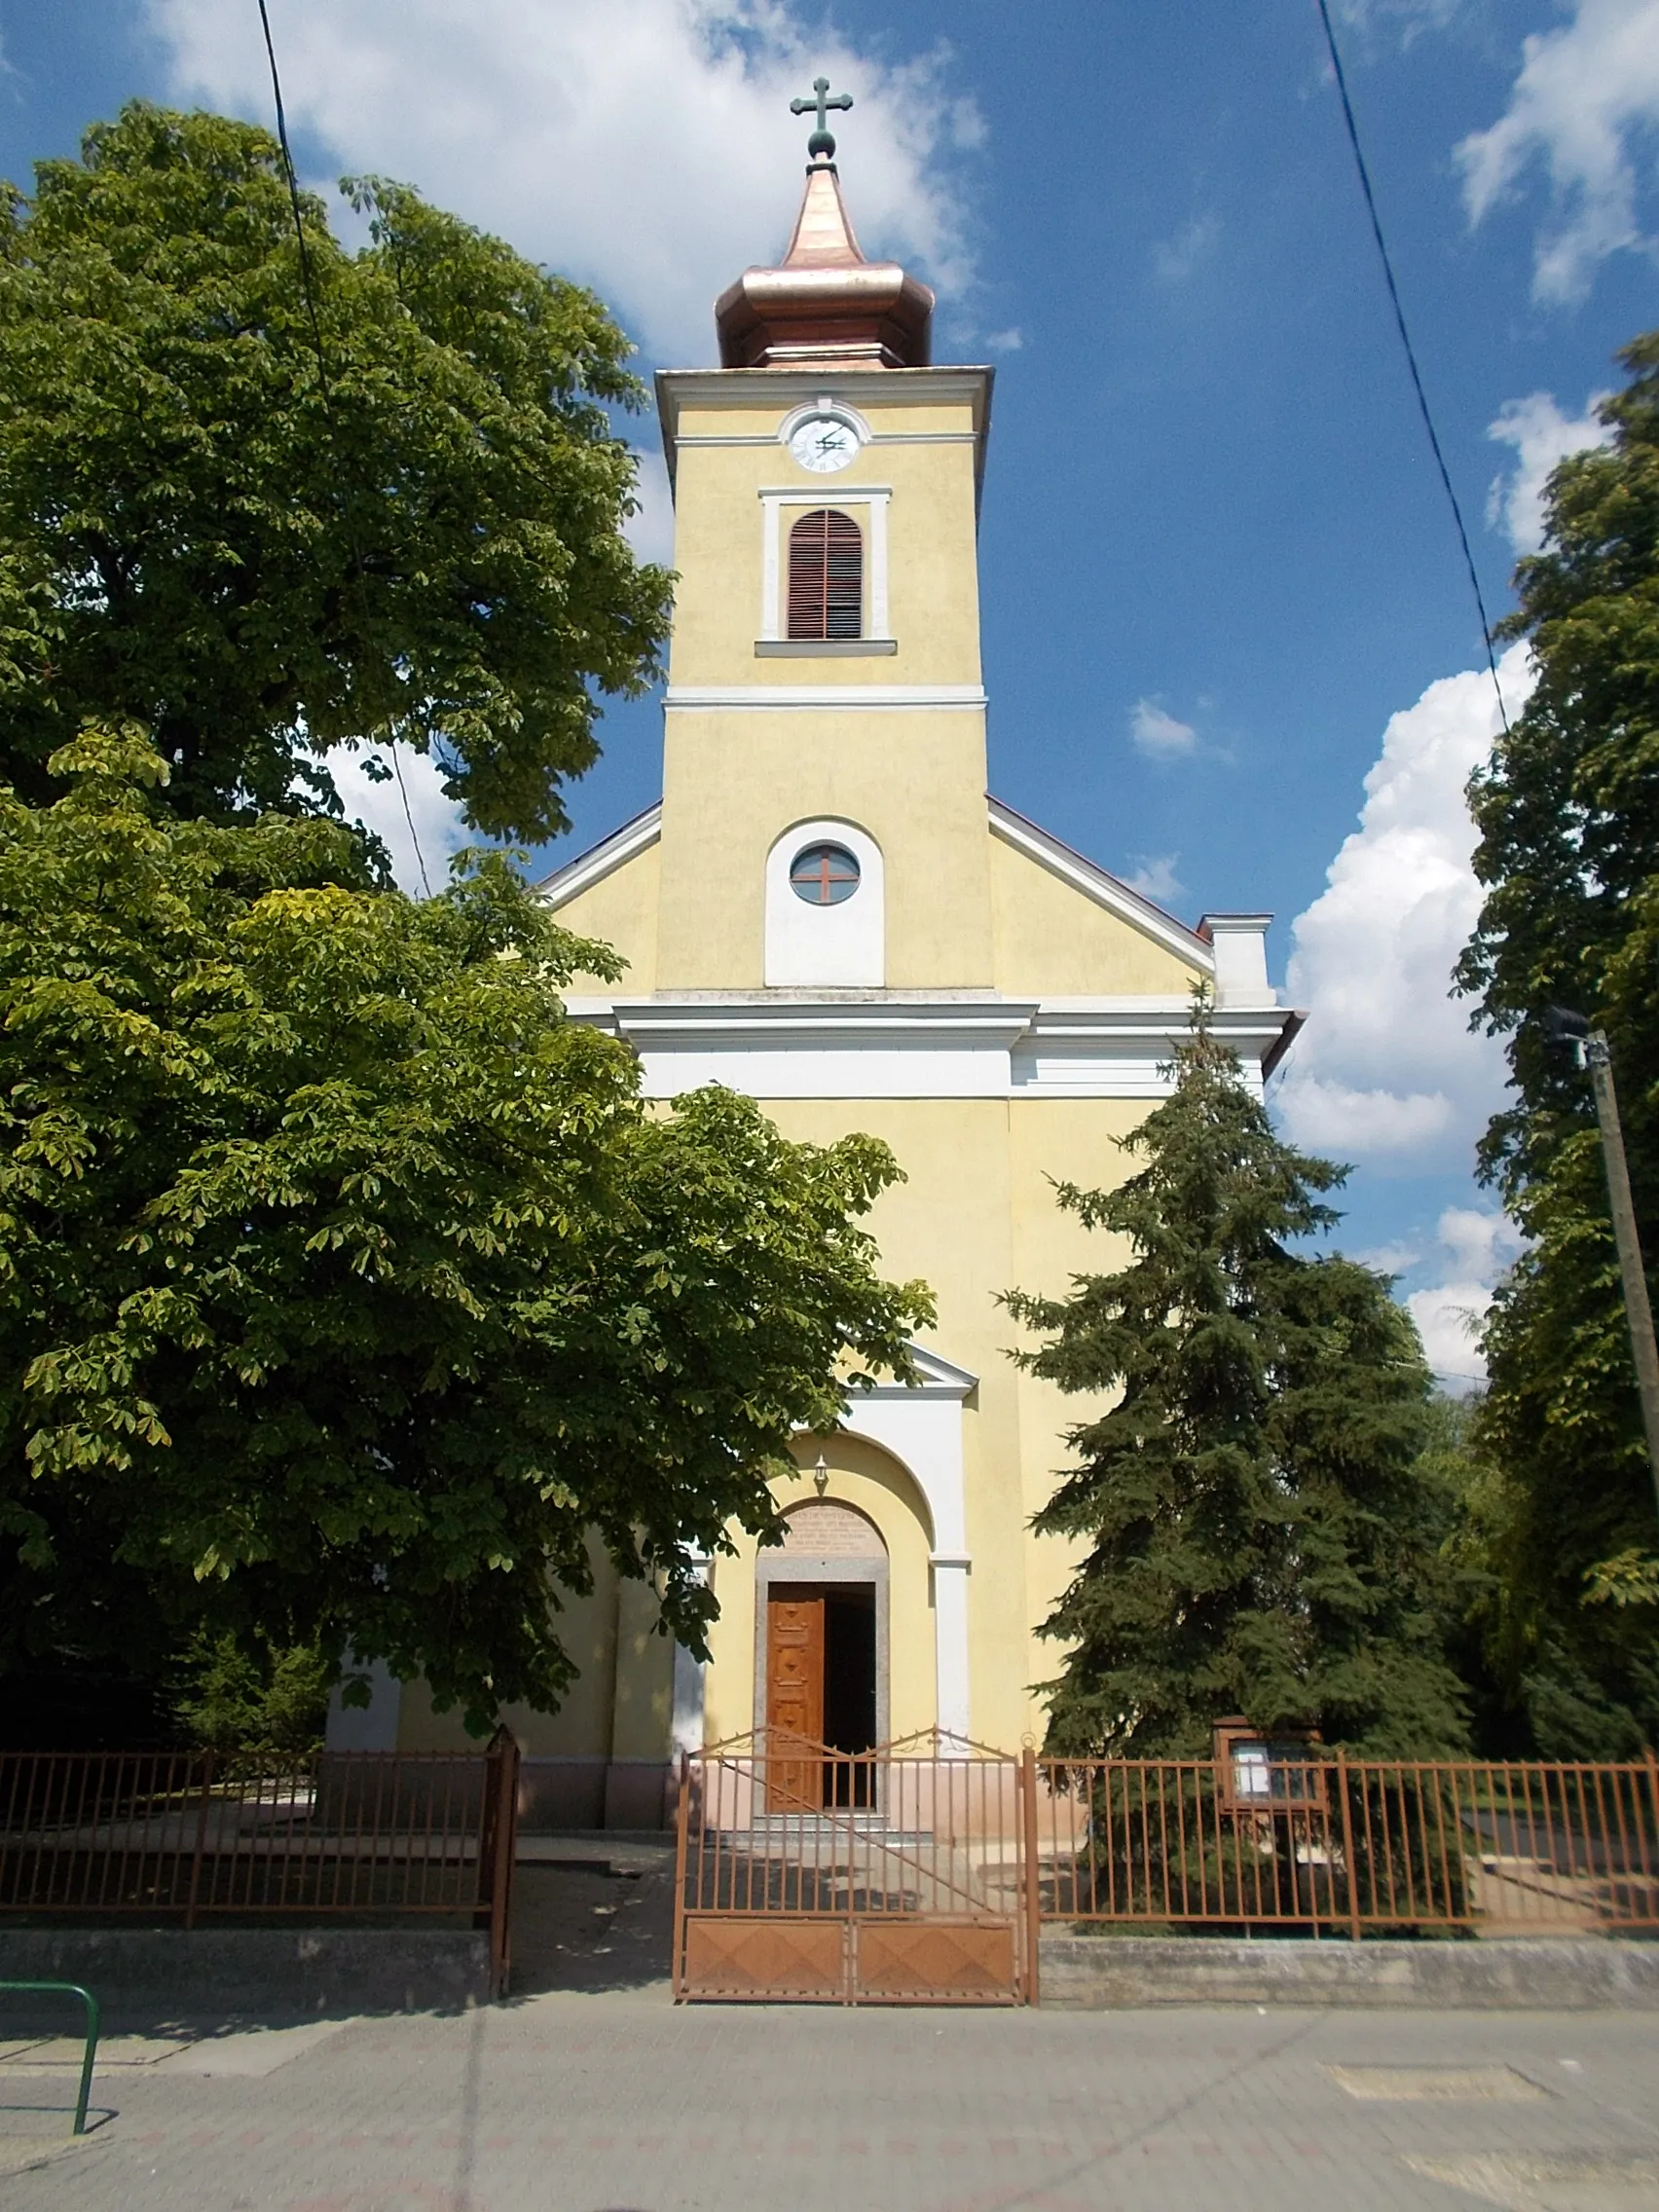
828 913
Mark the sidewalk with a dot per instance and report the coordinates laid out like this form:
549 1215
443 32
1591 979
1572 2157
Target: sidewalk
615 2098
591 2092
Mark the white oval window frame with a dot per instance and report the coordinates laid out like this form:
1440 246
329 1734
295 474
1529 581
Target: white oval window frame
829 845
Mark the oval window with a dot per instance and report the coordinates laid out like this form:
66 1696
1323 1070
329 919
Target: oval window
823 874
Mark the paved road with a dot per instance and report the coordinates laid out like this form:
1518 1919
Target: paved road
617 2099
593 2093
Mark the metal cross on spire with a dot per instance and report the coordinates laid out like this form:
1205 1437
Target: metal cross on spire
821 142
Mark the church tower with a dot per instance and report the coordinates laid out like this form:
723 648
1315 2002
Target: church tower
827 912
825 688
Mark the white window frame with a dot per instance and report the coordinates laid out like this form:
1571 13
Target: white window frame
875 632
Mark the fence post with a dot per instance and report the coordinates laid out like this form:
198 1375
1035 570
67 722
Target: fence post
1653 1793
1348 1867
1027 1791
500 1841
682 1851
201 1840
486 1839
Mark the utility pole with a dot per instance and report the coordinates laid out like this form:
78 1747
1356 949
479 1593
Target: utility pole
1590 1049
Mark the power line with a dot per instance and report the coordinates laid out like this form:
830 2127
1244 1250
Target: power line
323 369
1410 350
294 202
421 857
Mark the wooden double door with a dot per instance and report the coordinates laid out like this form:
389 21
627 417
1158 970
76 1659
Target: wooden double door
821 1692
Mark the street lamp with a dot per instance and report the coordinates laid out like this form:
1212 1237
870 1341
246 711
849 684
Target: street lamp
1590 1050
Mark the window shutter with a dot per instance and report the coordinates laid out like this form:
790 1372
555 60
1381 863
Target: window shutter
825 577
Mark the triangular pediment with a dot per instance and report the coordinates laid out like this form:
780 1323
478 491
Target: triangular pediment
941 1378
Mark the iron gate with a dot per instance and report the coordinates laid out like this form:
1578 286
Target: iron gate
898 1876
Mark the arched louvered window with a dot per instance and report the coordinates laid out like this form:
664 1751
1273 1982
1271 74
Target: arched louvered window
825 577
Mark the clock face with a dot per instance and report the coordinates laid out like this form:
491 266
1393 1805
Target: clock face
823 443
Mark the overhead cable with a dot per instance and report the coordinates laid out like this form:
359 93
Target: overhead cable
1410 350
294 204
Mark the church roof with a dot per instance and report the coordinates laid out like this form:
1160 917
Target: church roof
824 303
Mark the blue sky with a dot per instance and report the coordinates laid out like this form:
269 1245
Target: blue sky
1221 586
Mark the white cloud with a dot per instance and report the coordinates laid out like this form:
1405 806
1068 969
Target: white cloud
1005 340
644 147
1386 1071
1413 15
1586 96
1158 734
651 531
1474 1249
1174 259
1480 1243
1155 879
1389 1259
1375 1126
1448 1317
1541 436
380 807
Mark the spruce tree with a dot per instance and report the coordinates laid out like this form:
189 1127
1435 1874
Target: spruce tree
1258 1535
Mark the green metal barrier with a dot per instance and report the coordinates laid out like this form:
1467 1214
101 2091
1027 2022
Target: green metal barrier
93 2018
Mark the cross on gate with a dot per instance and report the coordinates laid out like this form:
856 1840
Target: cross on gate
821 142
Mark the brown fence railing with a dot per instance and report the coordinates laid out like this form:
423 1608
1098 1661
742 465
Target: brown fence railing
923 1872
1358 1847
174 1835
870 1877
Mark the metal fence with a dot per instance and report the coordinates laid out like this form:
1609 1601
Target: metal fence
180 1835
1336 1845
888 1876
923 1872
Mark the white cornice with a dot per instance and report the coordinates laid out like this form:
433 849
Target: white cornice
825 491
1151 1018
824 648
1123 1048
850 1021
771 698
679 389
920 1045
601 860
876 438
1096 883
795 387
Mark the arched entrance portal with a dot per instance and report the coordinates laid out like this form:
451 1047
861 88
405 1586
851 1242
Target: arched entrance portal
822 1661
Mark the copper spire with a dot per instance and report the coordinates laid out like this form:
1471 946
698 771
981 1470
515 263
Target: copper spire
824 303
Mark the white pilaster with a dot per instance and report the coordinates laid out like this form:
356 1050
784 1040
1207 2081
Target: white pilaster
951 1645
876 622
691 1683
922 1426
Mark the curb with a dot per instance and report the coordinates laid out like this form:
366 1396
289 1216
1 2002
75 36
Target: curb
1087 1974
258 1969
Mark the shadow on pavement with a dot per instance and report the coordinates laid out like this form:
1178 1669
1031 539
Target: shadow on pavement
604 1922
